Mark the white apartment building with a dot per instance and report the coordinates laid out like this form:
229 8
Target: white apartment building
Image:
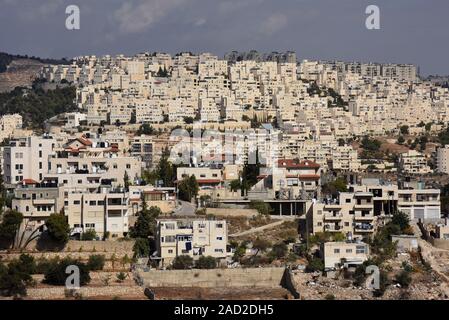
104 211
413 162
443 159
195 238
27 158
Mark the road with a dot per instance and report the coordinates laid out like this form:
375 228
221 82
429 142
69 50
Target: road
185 208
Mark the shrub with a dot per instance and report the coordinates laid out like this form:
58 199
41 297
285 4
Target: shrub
329 296
404 278
121 276
279 250
56 273
314 264
206 262
96 262
183 262
262 207
89 235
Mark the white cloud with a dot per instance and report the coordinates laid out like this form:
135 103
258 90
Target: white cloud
200 22
274 23
136 16
44 10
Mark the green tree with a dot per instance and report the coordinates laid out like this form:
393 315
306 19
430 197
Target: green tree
141 248
188 188
183 262
402 220
314 264
401 140
126 181
166 170
261 245
235 185
58 228
262 207
96 262
146 129
15 277
206 262
145 225
56 273
404 129
279 250
10 225
188 120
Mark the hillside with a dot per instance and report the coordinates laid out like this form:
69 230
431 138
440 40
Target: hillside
21 71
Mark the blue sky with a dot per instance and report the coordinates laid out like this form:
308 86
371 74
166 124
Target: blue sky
412 31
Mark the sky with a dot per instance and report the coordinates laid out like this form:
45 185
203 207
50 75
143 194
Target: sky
411 31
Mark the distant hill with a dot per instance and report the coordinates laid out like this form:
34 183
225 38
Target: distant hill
21 71
37 105
6 59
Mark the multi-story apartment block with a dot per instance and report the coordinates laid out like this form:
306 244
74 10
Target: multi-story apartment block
195 238
102 211
82 162
37 201
27 158
443 159
413 162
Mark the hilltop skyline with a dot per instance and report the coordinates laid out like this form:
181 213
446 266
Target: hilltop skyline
411 31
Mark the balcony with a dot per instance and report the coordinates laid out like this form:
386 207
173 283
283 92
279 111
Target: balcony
333 216
364 227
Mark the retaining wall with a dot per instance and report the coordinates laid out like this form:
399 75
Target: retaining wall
215 278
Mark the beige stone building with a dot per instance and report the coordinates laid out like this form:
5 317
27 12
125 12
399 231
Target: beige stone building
195 238
349 253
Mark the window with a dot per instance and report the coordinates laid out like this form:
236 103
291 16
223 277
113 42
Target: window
346 224
100 202
40 165
128 166
76 202
218 250
348 250
360 249
40 153
90 225
336 250
319 224
348 200
170 239
170 250
220 238
92 203
114 165
27 208
219 225
170 226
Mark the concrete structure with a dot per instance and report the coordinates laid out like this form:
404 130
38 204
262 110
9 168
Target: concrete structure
413 162
349 253
443 159
27 158
195 238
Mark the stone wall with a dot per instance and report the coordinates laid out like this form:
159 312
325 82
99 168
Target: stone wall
235 212
215 278
439 243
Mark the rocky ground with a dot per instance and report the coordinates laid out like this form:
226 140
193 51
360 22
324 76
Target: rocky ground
20 73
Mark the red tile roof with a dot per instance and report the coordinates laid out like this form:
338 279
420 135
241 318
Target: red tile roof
291 163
